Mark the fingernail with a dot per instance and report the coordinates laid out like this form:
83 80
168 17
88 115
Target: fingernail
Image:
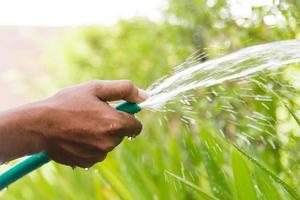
143 95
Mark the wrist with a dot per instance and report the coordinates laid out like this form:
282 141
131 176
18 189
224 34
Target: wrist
20 131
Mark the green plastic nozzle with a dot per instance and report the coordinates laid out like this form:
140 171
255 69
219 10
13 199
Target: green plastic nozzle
128 107
37 160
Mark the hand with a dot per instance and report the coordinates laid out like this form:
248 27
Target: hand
77 127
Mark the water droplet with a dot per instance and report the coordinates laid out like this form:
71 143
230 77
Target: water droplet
86 169
130 138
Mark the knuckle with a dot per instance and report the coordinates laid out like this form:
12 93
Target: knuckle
129 86
93 83
115 127
60 92
107 147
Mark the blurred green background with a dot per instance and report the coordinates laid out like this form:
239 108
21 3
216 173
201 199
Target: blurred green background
172 159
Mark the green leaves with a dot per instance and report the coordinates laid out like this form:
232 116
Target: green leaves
293 114
266 185
217 180
243 179
291 191
247 179
200 191
112 176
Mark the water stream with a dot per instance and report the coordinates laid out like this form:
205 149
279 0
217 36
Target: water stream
194 74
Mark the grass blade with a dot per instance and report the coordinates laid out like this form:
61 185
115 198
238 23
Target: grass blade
288 188
268 189
216 177
293 114
116 183
203 194
242 177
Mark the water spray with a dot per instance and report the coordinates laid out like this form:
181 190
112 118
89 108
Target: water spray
35 161
192 74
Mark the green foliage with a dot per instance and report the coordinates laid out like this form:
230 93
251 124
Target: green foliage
242 177
131 50
216 177
175 160
202 194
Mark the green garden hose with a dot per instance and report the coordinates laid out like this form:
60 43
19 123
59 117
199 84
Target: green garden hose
35 161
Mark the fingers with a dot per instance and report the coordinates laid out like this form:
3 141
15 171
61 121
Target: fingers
130 126
86 130
74 161
70 154
117 90
85 155
70 158
127 125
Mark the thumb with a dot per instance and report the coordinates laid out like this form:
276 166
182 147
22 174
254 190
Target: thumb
119 90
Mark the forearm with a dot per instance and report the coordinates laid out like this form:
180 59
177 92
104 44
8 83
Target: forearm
19 135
